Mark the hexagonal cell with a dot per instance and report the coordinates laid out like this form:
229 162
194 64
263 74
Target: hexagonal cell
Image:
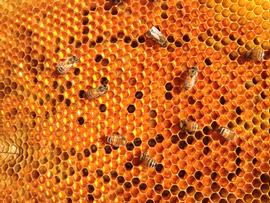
145 101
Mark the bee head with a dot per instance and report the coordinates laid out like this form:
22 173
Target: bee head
193 71
102 88
74 59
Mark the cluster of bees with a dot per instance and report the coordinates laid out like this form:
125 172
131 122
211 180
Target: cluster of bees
188 126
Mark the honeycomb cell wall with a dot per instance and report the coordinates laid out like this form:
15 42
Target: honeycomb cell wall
55 128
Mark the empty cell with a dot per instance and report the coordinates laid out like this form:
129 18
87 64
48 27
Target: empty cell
159 138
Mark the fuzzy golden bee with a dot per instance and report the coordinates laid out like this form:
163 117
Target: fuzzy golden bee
227 133
255 54
116 140
64 66
96 92
148 160
157 36
189 126
191 77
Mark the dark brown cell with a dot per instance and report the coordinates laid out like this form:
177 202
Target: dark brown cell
168 96
135 181
99 39
71 171
106 179
168 86
159 167
108 149
142 186
134 44
141 39
137 141
78 44
90 197
182 144
98 58
198 175
130 146
114 174
104 81
67 102
151 142
181 194
79 156
131 108
85 172
102 107
127 39
80 120
120 179
114 11
208 61
93 148
174 139
99 173
86 152
186 38
139 95
159 138
72 151
265 178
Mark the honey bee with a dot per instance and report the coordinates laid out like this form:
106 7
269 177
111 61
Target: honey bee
64 66
148 160
227 133
255 54
157 36
116 140
96 92
191 78
189 126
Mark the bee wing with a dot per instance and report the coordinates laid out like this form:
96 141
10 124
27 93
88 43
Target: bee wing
221 130
155 33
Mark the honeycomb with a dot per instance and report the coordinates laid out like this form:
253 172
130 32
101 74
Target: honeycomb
50 135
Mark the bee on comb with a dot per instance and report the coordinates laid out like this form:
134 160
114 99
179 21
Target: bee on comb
189 126
116 140
255 54
96 92
157 36
227 133
145 158
64 65
191 78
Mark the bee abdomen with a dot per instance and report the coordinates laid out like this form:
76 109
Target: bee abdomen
148 160
109 140
152 163
62 70
227 133
255 54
